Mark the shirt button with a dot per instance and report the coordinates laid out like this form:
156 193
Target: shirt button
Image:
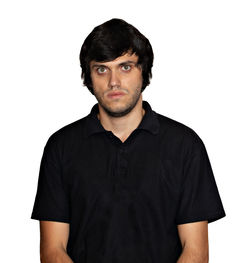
124 163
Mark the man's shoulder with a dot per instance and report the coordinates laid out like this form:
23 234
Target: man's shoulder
171 125
71 132
174 130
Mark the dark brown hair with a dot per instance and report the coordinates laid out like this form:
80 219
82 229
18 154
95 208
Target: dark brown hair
113 39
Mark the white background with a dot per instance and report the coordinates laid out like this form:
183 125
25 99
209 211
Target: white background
200 78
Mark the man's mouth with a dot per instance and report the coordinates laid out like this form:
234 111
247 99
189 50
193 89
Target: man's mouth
115 94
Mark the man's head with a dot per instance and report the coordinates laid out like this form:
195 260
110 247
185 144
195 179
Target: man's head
111 40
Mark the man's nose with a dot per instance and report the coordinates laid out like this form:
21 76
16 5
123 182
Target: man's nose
114 79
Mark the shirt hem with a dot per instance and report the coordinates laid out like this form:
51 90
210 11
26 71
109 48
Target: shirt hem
47 218
210 218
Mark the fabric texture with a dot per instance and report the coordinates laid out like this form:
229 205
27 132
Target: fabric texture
124 200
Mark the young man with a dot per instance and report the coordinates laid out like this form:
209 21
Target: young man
124 183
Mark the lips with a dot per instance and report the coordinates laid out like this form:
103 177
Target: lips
115 94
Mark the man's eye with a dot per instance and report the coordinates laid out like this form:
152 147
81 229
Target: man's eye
126 67
101 70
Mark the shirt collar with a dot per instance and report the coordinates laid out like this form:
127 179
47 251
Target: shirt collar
149 121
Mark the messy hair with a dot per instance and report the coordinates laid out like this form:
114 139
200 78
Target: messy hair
113 39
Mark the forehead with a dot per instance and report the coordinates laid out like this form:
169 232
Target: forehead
122 59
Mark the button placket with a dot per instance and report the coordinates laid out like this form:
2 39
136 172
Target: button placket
123 163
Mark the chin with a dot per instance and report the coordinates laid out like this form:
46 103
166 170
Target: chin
117 111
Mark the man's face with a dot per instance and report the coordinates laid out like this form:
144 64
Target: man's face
120 76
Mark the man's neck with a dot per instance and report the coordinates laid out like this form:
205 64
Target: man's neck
122 127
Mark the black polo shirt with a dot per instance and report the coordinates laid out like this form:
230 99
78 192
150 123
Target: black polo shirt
123 201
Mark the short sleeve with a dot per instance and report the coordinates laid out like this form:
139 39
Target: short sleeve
199 197
51 202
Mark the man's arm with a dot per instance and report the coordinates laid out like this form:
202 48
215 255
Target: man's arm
53 242
194 239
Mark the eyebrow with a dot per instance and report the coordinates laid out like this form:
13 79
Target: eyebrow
120 64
